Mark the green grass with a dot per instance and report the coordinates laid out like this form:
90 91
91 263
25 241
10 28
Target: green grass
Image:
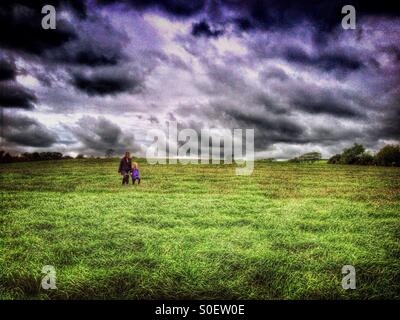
199 231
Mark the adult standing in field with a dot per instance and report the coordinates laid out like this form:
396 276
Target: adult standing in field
125 166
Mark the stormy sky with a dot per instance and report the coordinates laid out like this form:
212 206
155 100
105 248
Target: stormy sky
113 70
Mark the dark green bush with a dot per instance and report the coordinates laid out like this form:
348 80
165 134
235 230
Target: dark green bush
334 159
351 155
365 159
389 156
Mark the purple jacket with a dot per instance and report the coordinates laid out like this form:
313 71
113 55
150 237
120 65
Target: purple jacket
135 173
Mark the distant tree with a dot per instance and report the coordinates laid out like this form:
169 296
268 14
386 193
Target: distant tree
110 153
35 156
334 159
366 159
351 155
307 157
57 155
2 154
80 156
389 155
310 157
7 158
50 156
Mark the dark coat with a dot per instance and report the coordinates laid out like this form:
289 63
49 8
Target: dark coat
125 165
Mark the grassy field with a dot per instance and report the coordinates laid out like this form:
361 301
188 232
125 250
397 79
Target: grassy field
199 231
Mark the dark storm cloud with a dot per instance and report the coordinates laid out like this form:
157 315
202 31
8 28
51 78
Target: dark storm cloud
268 128
77 6
316 101
333 133
286 14
97 43
92 58
7 70
84 39
395 51
13 95
340 60
282 115
282 14
22 20
106 82
325 61
286 129
86 53
202 28
26 131
223 79
273 73
262 14
269 104
387 125
100 134
174 7
275 115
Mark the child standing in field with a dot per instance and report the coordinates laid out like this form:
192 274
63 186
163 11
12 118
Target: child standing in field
135 173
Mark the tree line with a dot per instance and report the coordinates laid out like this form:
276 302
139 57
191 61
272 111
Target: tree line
389 155
5 157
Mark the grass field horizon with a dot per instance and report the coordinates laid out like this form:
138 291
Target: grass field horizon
199 231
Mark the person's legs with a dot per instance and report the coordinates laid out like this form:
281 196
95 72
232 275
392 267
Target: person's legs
125 178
